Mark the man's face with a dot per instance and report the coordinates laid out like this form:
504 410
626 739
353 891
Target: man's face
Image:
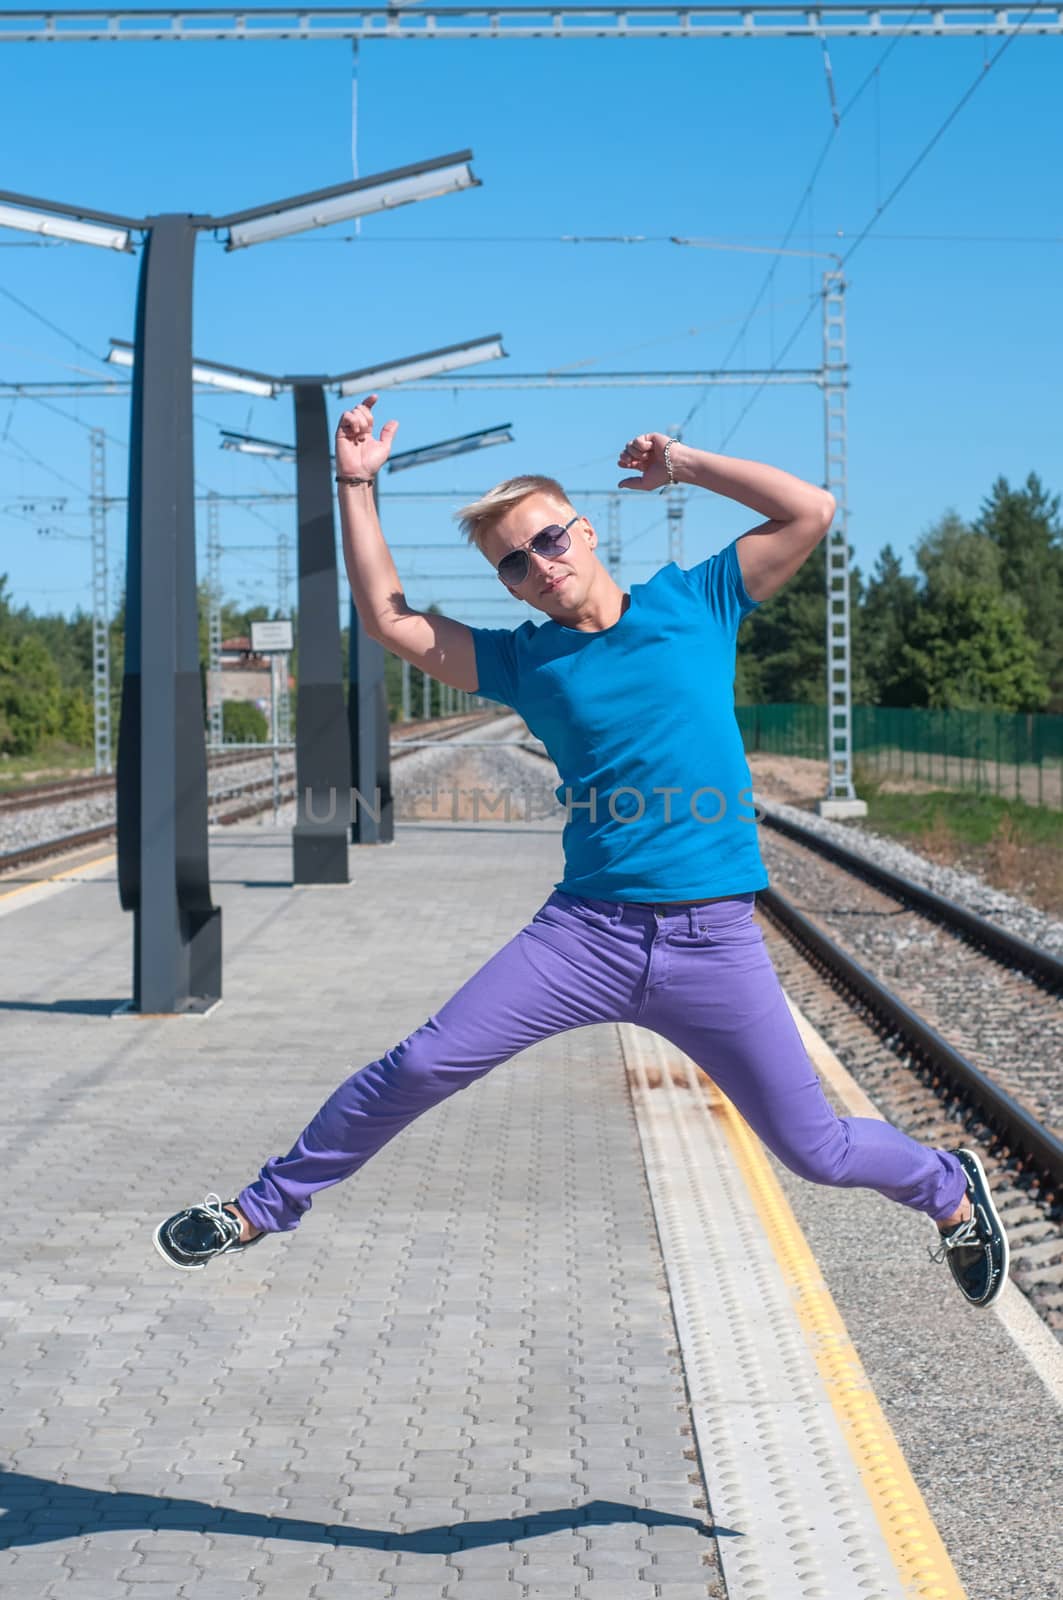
570 572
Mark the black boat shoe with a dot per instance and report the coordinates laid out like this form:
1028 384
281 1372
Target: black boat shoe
191 1238
977 1248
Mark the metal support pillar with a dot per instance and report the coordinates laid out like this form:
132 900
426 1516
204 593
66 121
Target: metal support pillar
405 690
841 798
322 736
101 631
367 712
163 867
215 725
426 710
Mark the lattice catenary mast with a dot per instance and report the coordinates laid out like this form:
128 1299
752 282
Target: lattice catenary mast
841 797
101 633
215 722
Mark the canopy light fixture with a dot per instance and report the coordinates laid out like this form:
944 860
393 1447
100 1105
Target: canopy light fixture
248 445
55 226
383 192
451 447
234 380
429 365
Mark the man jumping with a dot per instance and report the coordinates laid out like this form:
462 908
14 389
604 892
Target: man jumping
632 693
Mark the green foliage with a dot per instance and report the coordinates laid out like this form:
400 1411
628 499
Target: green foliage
1024 527
889 610
782 653
971 818
952 558
76 718
970 647
31 697
982 624
243 722
979 624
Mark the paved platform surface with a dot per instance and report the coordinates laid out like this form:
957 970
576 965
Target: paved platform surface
459 1378
476 1328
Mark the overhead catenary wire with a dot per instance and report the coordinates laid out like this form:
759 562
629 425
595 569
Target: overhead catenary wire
865 236
806 195
606 239
976 83
48 323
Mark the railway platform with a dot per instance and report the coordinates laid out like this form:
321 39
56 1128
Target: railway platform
572 1335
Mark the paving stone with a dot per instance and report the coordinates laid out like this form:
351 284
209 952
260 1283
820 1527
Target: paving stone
555 1571
473 1335
606 1589
672 1568
420 1591
485 1591
215 1589
81 1589
342 1591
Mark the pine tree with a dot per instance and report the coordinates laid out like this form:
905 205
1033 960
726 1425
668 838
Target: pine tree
1024 527
886 618
968 644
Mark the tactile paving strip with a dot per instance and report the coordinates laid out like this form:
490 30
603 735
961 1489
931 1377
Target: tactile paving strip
792 1517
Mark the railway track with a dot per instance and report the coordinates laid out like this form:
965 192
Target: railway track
933 1094
984 981
70 843
998 942
950 1023
29 797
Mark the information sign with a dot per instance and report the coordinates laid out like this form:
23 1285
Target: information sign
271 638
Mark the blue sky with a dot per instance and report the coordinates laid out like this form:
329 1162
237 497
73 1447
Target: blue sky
954 322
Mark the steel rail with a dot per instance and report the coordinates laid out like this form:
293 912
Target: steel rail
1026 1138
1030 1141
31 796
997 941
11 860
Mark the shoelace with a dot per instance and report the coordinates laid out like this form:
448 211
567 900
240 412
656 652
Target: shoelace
965 1233
229 1224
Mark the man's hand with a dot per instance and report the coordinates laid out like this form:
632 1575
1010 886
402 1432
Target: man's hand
644 454
357 452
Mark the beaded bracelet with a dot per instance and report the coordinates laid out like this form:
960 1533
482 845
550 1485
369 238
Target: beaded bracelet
346 477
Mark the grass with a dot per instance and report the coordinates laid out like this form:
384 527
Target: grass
56 760
1014 846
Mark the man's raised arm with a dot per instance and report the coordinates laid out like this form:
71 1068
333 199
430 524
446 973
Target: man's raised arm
439 646
798 513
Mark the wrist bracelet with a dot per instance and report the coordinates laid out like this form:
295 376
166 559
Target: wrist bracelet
346 477
668 459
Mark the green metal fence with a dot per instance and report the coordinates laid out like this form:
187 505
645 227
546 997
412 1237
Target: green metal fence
1020 757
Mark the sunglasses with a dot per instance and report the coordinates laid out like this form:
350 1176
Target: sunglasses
548 542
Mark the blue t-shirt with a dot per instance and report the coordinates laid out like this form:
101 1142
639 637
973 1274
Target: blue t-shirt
629 712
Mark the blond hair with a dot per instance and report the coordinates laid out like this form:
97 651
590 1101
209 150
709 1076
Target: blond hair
484 514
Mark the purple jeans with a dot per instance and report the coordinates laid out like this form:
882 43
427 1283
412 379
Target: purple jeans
698 975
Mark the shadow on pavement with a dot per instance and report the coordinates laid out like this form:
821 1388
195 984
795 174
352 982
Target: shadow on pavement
77 1008
37 1510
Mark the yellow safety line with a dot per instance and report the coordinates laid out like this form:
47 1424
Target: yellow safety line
38 883
908 1528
